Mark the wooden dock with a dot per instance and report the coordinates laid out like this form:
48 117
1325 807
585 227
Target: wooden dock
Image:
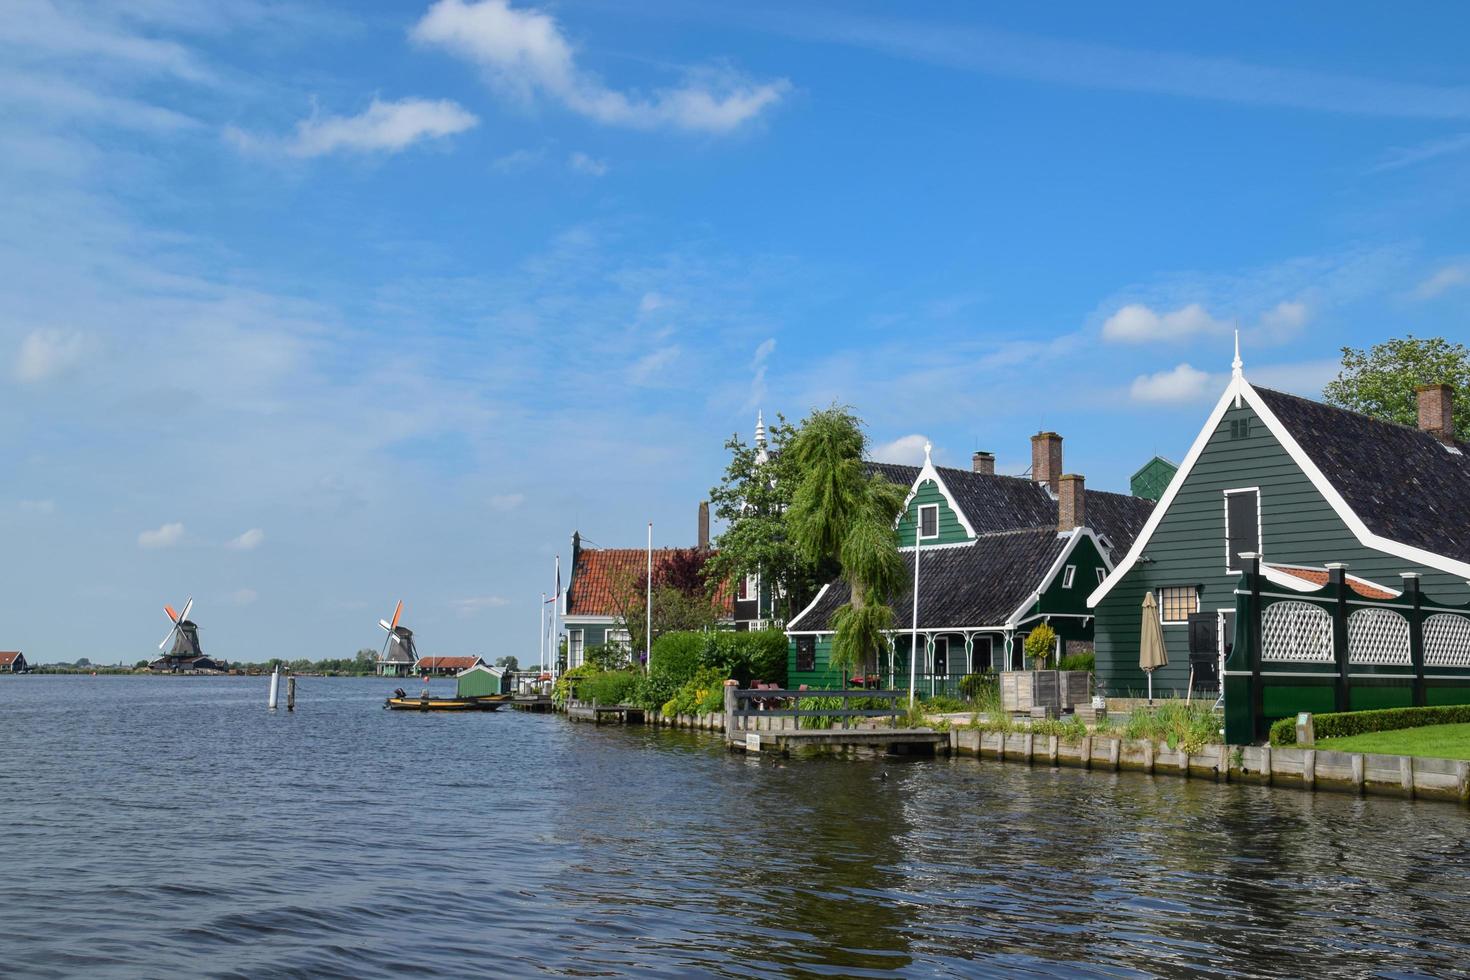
769 720
600 714
532 702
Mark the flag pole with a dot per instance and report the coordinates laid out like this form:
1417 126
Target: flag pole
541 662
914 641
649 625
555 636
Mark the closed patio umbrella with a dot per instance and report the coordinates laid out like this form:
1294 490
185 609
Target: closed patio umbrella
1152 654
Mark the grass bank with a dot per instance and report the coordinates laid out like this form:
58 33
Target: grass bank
1432 741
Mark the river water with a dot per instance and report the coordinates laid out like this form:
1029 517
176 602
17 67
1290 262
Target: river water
174 827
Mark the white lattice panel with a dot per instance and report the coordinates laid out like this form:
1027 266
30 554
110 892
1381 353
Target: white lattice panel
1378 636
1297 632
1447 641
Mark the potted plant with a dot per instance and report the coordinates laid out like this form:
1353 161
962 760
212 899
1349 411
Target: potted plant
1039 645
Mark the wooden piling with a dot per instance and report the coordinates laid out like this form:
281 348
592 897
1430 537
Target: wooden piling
291 694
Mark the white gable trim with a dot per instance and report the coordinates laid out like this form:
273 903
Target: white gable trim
1240 390
791 626
1075 535
930 473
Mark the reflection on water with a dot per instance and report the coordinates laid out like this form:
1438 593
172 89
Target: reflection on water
169 826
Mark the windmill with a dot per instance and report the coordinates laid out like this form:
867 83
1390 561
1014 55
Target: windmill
185 654
399 655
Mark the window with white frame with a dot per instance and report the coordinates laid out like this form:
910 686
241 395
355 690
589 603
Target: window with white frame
1242 525
1102 574
929 521
574 648
1068 574
617 638
749 588
1176 602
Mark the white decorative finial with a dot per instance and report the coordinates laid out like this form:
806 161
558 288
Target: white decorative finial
928 447
1236 364
761 456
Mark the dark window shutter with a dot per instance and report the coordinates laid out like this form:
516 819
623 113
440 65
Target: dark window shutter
1243 512
929 521
806 654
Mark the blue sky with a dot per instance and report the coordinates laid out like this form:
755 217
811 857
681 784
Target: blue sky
308 308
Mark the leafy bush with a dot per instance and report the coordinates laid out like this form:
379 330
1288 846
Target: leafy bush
1040 642
1071 729
606 656
944 704
758 655
703 694
974 686
651 692
608 687
569 682
1340 724
1079 661
676 656
1178 724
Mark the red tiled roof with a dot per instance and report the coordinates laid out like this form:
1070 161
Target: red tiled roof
1318 576
7 657
447 663
601 571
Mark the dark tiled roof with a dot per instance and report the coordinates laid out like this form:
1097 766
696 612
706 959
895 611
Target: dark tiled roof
1404 484
1005 503
898 473
979 585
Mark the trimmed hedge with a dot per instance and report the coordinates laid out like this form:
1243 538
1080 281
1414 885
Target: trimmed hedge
1343 723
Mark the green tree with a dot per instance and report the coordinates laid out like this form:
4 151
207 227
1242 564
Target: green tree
1380 381
510 664
366 661
753 499
841 514
1039 645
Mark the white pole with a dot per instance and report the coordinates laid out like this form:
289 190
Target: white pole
914 636
541 661
1150 687
275 687
649 625
555 633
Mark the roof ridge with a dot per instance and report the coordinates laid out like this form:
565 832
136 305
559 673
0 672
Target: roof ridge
1363 416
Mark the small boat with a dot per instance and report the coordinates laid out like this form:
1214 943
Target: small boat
399 701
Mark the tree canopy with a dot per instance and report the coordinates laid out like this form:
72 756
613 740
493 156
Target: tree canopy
1380 381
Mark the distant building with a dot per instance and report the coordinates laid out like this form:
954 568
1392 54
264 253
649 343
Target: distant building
444 666
1152 478
13 662
177 664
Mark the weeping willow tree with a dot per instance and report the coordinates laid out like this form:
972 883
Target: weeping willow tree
840 515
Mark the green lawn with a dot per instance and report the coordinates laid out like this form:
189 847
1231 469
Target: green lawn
1439 741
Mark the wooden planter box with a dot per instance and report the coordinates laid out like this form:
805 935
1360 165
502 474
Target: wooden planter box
1061 690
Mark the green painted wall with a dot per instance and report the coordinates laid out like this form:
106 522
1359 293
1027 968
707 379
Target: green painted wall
823 676
1188 548
1058 599
951 530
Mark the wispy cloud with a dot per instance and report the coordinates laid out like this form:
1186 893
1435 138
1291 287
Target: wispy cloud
524 54
653 365
517 161
1408 156
1183 383
905 449
162 537
1012 54
1444 279
46 354
248 541
758 379
476 604
383 127
506 501
584 164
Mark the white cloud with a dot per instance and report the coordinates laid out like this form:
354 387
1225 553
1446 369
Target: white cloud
905 449
758 380
244 597
248 541
517 161
470 606
1181 384
45 354
525 54
1284 320
507 501
1138 324
163 537
1450 277
383 127
1407 156
584 164
649 366
652 301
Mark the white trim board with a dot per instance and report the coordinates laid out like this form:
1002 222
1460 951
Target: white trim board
1241 389
928 472
1075 535
809 606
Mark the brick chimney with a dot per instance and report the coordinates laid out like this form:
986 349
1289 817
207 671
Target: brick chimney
1046 459
704 525
1437 410
983 462
1071 503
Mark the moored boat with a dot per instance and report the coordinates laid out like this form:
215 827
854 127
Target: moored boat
398 701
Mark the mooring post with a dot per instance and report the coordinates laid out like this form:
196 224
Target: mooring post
275 688
291 693
1406 774
1359 771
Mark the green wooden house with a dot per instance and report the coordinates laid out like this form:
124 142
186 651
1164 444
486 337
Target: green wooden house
1315 492
996 556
